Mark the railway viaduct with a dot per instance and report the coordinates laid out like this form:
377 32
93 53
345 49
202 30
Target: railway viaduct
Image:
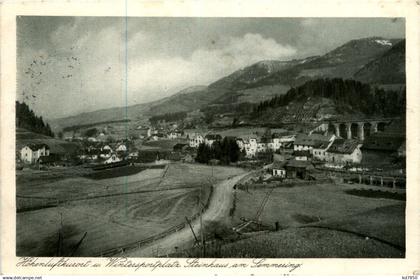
360 128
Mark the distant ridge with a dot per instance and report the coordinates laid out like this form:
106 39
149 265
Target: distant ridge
370 60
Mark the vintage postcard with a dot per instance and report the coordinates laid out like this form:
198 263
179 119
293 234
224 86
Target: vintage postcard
220 138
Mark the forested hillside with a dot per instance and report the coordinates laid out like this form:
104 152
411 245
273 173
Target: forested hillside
346 96
26 118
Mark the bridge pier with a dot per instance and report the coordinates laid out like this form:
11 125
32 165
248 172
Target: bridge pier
361 130
348 128
337 129
374 127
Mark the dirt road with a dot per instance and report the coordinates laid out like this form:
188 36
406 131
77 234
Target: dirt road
218 210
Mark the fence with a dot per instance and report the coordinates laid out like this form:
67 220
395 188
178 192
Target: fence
282 184
138 244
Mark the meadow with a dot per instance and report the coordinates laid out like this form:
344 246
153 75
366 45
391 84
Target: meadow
109 213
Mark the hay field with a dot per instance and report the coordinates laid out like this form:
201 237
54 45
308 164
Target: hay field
320 221
135 207
302 204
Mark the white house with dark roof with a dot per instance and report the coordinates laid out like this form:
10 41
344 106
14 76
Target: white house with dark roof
113 158
278 169
344 151
32 152
121 148
319 151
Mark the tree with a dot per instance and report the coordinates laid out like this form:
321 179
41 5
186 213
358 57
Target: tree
91 132
60 135
26 118
226 151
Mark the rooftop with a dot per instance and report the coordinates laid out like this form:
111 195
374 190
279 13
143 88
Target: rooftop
279 164
343 146
35 147
312 140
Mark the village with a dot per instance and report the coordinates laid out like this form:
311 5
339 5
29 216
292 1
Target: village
298 155
301 151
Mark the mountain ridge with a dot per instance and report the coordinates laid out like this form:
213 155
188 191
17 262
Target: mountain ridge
261 80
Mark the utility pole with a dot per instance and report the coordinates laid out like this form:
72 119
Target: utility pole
203 251
192 230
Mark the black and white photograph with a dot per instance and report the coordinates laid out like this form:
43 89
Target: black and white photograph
210 137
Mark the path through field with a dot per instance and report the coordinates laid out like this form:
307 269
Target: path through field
218 210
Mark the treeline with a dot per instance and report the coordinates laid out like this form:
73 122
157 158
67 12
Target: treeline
26 118
345 93
169 117
226 151
81 126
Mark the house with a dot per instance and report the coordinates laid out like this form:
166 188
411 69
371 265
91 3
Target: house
278 169
106 148
274 144
32 152
113 158
298 169
144 132
196 140
158 135
92 139
308 142
261 147
319 150
174 134
133 154
344 151
285 138
302 155
249 144
209 139
101 137
121 148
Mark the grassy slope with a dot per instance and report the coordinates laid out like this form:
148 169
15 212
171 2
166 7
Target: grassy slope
299 211
115 220
289 206
309 243
24 137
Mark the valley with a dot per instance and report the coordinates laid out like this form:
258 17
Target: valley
297 158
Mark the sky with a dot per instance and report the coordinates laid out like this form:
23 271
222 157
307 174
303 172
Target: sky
70 65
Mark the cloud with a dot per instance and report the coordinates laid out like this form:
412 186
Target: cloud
164 76
99 78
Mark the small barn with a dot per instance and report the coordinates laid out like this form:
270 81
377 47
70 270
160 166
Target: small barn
278 169
298 169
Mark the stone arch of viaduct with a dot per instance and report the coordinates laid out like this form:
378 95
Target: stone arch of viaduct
357 129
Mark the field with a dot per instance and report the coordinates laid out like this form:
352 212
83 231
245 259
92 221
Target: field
321 221
25 137
112 212
164 144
